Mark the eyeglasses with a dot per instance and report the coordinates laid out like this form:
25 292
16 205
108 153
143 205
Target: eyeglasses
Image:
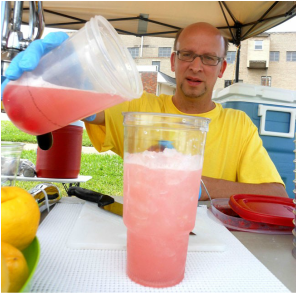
206 59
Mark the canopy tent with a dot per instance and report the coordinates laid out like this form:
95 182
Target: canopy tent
237 20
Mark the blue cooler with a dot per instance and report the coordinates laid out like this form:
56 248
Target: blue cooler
273 111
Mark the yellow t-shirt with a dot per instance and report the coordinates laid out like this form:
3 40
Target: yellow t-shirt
233 150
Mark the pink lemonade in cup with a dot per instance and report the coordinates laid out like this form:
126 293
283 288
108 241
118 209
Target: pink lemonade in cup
39 110
163 159
160 202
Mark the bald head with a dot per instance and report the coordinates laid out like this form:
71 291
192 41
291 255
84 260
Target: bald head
205 28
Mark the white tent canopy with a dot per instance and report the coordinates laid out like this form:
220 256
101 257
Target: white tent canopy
238 20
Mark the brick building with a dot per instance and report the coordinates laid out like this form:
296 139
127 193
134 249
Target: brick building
267 59
155 81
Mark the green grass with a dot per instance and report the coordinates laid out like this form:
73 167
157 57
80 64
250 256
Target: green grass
10 133
106 170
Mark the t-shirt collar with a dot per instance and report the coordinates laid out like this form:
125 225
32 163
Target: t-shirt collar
210 114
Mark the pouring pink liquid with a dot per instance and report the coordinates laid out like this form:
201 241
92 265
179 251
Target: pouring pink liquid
39 110
92 62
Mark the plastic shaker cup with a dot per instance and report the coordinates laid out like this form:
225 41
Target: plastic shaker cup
161 188
89 72
10 159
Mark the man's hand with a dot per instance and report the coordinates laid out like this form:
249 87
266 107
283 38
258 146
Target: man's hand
28 60
96 119
224 189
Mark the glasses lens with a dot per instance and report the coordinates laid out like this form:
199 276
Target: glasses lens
190 56
186 56
209 60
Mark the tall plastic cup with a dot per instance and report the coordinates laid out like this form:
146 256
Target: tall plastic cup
89 72
163 158
10 159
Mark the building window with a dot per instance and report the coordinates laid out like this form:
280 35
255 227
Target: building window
229 82
274 56
266 81
291 56
134 51
158 63
164 52
231 55
258 45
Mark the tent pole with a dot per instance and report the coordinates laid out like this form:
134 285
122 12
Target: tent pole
237 43
237 65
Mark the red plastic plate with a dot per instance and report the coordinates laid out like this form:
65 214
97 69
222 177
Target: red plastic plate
264 209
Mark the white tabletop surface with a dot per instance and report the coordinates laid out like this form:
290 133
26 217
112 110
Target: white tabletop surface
251 263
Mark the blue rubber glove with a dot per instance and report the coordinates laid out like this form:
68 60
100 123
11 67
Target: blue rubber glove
90 118
200 193
166 144
4 82
28 60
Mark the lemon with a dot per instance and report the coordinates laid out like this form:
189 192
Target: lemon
18 271
20 217
4 275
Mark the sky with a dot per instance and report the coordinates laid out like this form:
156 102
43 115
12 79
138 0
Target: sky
288 26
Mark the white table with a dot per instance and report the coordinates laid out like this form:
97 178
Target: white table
250 263
64 182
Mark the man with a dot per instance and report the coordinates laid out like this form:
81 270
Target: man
235 161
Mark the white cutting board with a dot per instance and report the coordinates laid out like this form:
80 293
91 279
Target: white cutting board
96 228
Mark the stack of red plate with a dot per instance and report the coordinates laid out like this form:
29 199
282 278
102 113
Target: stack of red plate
256 213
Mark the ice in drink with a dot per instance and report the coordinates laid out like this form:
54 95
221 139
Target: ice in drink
160 202
41 109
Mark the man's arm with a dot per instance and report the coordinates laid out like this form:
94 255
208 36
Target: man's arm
224 189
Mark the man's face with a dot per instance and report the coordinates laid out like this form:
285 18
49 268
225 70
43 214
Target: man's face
194 79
